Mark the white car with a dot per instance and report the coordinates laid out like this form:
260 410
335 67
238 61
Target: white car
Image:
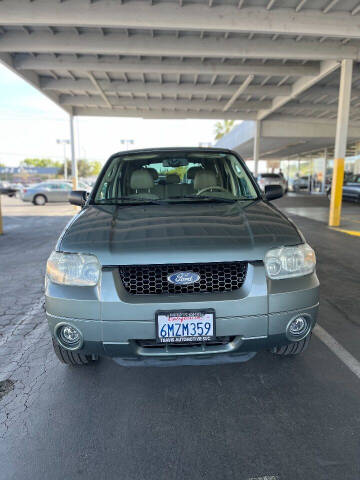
265 179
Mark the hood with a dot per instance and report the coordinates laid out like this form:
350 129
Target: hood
178 233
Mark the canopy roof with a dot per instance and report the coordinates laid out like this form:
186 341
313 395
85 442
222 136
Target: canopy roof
233 59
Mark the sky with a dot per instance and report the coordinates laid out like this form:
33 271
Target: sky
30 124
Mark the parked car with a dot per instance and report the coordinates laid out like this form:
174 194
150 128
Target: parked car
179 273
265 179
17 189
50 191
351 189
7 189
300 183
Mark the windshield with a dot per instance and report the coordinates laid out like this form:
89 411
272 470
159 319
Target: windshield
174 177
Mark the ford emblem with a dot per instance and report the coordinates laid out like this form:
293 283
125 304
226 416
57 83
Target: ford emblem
183 278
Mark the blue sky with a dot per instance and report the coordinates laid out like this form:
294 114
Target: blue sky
30 125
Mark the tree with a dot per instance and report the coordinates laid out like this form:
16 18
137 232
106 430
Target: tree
85 168
40 162
222 128
96 167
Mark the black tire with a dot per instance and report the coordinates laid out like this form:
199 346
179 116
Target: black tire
293 349
72 358
39 200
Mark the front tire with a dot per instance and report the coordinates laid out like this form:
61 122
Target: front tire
39 200
293 349
71 358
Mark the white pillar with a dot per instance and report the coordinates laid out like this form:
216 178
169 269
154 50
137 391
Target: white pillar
1 222
323 186
65 163
340 142
257 146
73 158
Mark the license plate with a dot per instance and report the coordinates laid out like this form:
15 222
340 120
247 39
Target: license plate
185 326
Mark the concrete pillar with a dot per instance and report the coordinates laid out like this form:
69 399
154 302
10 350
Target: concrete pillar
73 158
257 146
340 142
1 222
357 162
323 186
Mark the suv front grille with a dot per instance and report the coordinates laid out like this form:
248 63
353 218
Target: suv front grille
153 279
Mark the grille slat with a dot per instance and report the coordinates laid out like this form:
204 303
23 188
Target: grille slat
153 279
217 341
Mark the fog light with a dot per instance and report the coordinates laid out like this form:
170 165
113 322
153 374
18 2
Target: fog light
69 336
298 326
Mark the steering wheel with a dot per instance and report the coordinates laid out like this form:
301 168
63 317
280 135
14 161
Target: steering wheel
213 187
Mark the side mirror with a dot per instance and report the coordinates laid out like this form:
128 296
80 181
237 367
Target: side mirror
78 197
273 191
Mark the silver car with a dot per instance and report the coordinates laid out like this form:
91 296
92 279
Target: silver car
177 258
50 191
265 179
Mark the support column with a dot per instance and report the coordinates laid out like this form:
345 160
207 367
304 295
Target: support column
65 164
1 222
73 158
340 142
323 186
257 146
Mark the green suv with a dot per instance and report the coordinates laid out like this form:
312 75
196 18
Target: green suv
178 258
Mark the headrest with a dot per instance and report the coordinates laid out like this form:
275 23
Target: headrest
172 178
153 172
192 172
204 179
141 179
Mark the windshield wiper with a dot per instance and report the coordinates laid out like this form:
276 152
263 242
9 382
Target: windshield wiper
207 198
130 201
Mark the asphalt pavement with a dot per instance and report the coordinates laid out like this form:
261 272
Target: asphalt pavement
270 418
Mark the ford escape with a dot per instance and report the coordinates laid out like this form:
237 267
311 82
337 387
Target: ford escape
177 258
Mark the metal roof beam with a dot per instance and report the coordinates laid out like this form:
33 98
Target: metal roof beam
332 92
120 44
310 107
238 92
98 101
299 87
162 114
223 18
99 89
113 64
155 88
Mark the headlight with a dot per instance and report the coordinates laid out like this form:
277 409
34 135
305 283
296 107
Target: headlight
73 269
287 262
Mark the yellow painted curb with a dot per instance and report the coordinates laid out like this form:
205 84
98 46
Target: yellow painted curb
355 233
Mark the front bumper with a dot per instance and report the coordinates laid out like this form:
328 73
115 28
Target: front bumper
114 324
130 352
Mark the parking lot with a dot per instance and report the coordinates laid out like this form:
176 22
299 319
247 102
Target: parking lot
270 418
